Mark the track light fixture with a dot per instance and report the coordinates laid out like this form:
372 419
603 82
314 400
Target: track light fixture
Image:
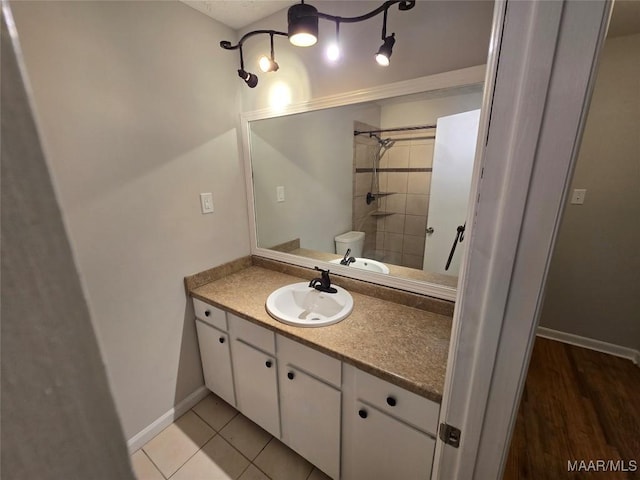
268 64
384 53
250 79
303 32
303 25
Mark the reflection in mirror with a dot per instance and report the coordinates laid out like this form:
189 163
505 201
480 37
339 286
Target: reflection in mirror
382 185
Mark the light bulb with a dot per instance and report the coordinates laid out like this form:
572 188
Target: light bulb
333 52
382 60
267 64
303 39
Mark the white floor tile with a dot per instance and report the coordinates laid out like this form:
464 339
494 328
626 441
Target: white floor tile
143 468
246 436
279 462
215 411
318 475
172 447
253 473
217 460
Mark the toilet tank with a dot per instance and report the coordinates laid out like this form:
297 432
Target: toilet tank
353 240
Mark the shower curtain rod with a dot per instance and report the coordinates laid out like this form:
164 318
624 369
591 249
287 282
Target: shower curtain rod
401 129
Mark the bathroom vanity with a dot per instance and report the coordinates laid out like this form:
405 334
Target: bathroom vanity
359 399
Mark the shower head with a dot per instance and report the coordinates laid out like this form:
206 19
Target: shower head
383 142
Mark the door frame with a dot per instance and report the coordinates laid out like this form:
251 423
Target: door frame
544 76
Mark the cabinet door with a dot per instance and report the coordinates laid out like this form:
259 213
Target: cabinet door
311 419
384 448
216 361
256 386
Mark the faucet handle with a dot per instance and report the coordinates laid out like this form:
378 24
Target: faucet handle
325 281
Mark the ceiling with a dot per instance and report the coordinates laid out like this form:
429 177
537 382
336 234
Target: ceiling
238 13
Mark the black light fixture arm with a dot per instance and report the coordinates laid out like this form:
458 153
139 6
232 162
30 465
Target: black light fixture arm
271 40
404 5
227 45
384 26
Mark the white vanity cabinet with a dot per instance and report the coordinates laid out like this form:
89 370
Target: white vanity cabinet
387 432
211 326
348 423
255 373
310 402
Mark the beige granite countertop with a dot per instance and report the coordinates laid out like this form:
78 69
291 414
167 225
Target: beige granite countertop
403 345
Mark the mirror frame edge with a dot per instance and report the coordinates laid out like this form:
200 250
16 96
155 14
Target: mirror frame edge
456 78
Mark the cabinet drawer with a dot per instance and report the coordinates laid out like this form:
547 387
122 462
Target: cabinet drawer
318 364
413 409
252 334
211 315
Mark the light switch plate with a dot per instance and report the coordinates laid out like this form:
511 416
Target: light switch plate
280 194
206 202
577 198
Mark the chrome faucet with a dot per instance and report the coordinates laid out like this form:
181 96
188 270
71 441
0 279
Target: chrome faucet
346 260
323 284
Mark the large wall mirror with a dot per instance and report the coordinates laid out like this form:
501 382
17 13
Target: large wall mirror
375 189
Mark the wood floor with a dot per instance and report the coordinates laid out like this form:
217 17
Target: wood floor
577 405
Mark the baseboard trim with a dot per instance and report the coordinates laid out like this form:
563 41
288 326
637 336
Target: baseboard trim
138 440
590 343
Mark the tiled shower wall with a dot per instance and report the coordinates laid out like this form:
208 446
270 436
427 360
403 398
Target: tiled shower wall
397 234
364 150
405 172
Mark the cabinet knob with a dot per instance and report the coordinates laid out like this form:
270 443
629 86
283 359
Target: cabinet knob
363 413
221 339
290 375
391 401
207 313
268 363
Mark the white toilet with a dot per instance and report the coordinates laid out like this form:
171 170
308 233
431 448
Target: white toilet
353 240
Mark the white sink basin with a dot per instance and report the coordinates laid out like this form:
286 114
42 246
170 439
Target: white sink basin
300 305
366 264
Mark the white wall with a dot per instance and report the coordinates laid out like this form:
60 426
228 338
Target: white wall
426 111
311 155
54 385
138 107
433 37
592 290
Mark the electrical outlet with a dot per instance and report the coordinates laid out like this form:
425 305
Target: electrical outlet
206 202
280 194
578 196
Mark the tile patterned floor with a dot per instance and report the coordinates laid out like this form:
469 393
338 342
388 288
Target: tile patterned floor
212 441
